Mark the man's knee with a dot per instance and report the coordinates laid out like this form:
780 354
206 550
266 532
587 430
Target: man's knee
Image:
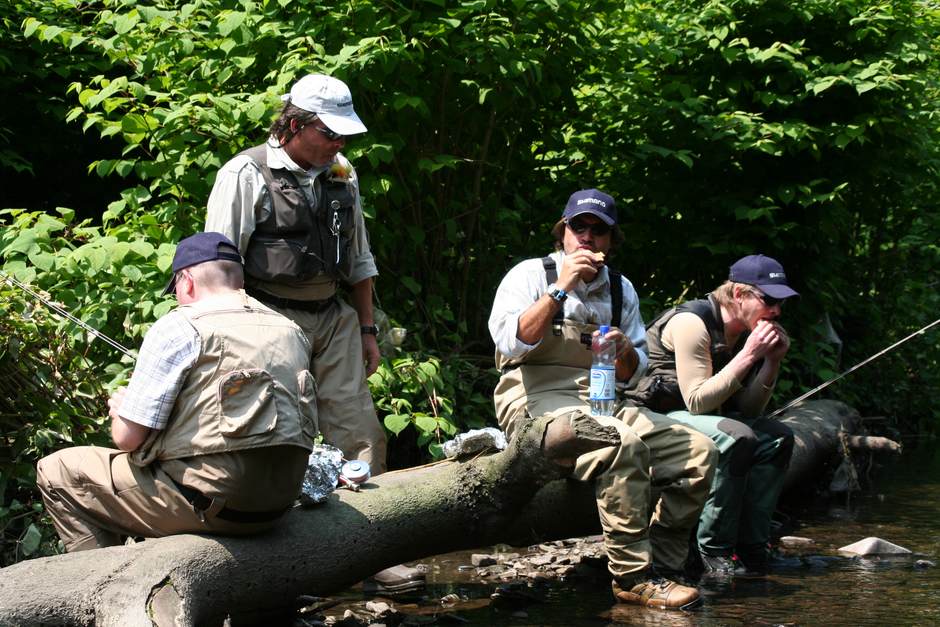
785 440
741 453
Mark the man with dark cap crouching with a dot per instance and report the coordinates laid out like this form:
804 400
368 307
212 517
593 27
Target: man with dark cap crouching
214 428
713 365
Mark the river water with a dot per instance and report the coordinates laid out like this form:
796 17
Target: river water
809 586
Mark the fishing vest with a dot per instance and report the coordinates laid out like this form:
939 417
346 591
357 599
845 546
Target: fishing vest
298 240
560 363
659 389
248 388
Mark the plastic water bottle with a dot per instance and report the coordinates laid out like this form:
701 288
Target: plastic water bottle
603 377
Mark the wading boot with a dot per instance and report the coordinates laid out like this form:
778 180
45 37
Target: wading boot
654 591
727 566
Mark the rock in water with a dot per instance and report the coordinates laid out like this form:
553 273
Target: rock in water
874 546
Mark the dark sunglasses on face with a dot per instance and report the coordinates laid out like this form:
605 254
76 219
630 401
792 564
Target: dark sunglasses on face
578 227
330 135
770 301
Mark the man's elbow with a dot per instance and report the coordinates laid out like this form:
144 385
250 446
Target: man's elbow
128 436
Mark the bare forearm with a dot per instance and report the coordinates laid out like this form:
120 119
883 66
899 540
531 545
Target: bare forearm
535 319
361 297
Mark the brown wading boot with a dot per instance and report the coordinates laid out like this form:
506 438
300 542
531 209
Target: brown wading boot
652 590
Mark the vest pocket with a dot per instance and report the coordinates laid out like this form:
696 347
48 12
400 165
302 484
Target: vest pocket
307 404
247 406
276 259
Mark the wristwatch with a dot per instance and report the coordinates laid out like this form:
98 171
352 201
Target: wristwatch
557 294
369 329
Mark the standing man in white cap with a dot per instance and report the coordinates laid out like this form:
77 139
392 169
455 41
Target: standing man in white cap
292 206
713 364
543 318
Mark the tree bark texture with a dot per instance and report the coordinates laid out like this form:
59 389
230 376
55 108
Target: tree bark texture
518 496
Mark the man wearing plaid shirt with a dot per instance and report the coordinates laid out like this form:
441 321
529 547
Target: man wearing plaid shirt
214 428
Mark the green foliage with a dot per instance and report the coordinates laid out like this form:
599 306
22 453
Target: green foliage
433 397
807 130
50 396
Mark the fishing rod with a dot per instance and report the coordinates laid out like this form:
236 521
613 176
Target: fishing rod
803 397
63 313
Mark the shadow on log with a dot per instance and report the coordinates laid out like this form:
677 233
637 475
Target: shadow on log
518 496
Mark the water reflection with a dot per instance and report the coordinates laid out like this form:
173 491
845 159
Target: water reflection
812 585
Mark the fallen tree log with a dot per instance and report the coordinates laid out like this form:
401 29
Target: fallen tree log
819 429
198 580
517 496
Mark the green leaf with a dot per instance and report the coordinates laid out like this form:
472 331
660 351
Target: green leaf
229 21
411 284
31 539
396 423
425 424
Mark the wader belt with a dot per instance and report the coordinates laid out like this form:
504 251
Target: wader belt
616 293
312 306
201 503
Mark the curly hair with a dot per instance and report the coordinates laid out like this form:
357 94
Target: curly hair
280 128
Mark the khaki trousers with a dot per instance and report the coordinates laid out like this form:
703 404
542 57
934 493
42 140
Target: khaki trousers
344 403
96 497
655 452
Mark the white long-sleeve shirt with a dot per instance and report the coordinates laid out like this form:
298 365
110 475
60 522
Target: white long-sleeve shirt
589 303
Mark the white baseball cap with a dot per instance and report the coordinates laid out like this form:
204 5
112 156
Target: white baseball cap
330 99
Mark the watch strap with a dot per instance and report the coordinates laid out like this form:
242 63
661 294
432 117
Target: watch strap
369 329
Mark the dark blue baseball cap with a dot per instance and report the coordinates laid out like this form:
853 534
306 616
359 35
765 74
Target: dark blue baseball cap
764 273
591 201
200 248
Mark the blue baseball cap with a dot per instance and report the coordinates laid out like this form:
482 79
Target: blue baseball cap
764 273
200 248
591 201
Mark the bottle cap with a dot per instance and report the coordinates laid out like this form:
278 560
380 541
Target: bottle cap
356 471
604 328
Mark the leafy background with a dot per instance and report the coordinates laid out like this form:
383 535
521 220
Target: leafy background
806 130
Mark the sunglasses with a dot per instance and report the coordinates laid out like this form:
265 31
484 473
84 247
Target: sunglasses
330 135
770 301
597 229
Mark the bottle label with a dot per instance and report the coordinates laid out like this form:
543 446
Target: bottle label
603 384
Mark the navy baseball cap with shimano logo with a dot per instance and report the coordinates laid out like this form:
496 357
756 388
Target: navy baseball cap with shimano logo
764 273
200 248
591 201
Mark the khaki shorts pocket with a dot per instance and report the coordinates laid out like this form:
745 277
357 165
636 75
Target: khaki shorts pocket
122 475
247 403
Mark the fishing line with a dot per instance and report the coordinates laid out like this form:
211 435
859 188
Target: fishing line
63 313
803 397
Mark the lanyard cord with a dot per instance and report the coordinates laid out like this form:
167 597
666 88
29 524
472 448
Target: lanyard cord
851 370
63 313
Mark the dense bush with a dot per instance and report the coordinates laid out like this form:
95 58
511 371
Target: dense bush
806 130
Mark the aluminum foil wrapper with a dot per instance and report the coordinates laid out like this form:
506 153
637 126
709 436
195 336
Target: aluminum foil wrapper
474 441
322 475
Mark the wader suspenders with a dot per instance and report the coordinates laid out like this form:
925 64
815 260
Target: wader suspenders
616 295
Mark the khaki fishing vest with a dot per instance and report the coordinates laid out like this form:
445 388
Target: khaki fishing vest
298 240
561 363
248 388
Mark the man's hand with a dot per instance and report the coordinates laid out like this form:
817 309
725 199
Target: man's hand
768 339
371 354
581 265
115 402
626 358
